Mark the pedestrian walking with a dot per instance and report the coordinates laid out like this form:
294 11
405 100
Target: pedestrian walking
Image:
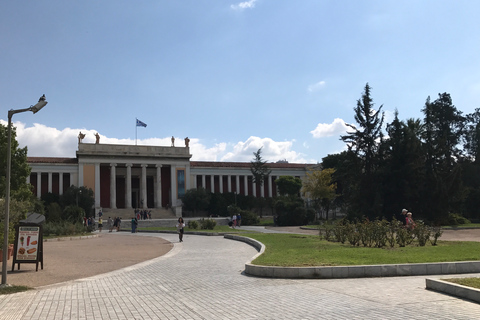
180 225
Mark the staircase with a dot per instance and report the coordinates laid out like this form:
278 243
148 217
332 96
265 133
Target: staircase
129 213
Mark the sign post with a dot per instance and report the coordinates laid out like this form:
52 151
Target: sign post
28 246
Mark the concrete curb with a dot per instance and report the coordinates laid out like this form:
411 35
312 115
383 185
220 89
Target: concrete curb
364 271
453 289
71 238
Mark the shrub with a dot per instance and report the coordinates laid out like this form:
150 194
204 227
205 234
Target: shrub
192 224
456 219
207 224
422 233
54 212
249 218
73 214
63 228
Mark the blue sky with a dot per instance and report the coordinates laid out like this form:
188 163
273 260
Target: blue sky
233 76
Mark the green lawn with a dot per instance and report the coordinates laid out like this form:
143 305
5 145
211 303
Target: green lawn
303 250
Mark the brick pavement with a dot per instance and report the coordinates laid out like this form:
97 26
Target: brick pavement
202 278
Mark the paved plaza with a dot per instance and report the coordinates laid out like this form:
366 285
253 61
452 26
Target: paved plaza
202 278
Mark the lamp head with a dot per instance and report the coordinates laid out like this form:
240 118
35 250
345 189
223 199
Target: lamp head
38 106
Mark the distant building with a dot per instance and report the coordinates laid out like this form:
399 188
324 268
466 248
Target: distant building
131 176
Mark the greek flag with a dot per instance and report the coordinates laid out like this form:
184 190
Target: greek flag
141 124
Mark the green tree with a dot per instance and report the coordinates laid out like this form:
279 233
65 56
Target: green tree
259 168
364 142
403 168
288 185
20 170
82 197
472 136
443 187
319 187
196 200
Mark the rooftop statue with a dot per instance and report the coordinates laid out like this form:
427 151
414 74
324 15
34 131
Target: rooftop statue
80 137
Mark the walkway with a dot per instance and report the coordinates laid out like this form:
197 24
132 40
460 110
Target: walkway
202 278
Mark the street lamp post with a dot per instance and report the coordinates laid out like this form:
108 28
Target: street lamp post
40 104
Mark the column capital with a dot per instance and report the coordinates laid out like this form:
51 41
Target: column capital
158 165
143 165
113 164
128 165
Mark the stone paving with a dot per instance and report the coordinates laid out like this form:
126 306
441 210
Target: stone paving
202 278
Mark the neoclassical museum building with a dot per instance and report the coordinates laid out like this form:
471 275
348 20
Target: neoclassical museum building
131 176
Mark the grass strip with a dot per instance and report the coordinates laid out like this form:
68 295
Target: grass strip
293 250
468 282
13 289
223 229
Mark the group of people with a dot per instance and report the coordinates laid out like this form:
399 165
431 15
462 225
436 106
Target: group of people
114 223
143 214
407 219
236 221
89 222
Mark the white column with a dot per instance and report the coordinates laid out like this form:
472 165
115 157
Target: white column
237 183
229 183
50 182
245 179
113 186
270 192
143 186
39 184
212 183
220 182
204 183
60 183
173 185
158 187
194 181
254 189
128 189
97 185
28 179
80 175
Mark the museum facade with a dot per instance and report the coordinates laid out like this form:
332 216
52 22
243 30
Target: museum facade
131 176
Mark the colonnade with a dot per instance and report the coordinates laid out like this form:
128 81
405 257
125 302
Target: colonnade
238 183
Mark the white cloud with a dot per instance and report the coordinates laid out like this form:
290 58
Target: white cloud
322 130
43 141
316 86
244 5
272 151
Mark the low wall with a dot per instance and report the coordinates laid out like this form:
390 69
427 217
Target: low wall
126 223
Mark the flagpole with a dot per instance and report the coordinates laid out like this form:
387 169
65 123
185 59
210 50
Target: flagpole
136 131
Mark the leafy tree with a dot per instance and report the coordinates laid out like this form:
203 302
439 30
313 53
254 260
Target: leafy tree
196 199
288 185
291 211
318 186
259 168
402 169
364 142
20 170
443 187
79 197
472 136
